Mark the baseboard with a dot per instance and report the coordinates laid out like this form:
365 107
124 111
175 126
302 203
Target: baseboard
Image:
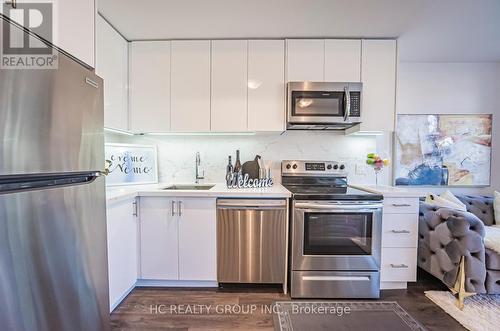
117 303
393 285
175 283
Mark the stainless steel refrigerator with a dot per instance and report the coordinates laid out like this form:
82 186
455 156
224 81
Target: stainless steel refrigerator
53 258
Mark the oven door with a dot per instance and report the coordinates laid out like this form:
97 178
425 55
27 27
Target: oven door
331 235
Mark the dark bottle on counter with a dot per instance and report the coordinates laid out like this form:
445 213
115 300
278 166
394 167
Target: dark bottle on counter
229 168
237 164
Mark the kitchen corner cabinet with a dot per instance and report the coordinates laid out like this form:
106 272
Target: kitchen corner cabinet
178 239
112 66
266 85
190 85
379 63
73 26
149 86
123 248
229 85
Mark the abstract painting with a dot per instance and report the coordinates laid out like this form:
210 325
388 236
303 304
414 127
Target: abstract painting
443 150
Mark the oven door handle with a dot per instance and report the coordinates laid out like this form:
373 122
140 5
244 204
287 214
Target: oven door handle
338 207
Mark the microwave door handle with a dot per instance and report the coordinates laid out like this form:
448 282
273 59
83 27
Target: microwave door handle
347 103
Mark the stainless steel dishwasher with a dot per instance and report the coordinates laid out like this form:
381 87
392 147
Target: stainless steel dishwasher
252 241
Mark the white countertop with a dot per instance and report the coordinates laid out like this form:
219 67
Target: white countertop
390 191
119 193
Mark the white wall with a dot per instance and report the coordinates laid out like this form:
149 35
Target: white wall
454 88
177 153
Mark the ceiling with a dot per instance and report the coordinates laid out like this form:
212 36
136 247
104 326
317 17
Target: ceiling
428 30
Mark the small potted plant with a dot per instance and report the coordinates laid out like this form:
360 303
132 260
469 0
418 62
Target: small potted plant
377 163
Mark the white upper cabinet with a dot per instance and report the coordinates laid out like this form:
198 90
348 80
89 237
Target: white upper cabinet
379 64
305 60
112 66
266 85
190 86
149 87
73 24
229 85
342 60
76 28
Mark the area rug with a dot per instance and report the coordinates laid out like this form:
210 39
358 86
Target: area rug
329 315
481 312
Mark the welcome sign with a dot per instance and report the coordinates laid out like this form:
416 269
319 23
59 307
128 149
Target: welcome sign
131 164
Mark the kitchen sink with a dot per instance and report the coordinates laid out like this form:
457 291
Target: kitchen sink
189 187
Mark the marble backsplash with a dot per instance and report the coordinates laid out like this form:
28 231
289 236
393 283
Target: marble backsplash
176 153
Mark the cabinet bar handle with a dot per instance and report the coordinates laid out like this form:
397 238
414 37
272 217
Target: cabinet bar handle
135 208
400 231
179 207
399 266
173 207
401 205
13 3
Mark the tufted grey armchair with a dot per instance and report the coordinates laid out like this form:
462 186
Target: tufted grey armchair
446 235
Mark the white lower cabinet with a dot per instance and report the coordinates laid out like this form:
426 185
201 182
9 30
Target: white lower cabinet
159 239
197 239
399 242
399 264
178 239
122 230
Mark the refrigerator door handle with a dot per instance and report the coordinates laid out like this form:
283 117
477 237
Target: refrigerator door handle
13 183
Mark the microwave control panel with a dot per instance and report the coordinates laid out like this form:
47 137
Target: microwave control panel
355 104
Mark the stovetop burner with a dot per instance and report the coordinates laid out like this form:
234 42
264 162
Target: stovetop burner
320 180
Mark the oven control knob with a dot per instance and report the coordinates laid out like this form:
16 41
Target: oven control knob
288 166
336 166
294 166
342 167
329 167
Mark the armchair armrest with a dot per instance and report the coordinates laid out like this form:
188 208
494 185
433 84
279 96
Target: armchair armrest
445 235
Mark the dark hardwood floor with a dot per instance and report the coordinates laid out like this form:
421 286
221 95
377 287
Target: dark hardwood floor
149 308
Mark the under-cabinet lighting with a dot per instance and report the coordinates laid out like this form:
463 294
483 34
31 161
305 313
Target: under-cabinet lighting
367 133
118 131
199 134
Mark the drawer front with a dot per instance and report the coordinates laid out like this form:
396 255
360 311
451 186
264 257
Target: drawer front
399 265
400 230
401 205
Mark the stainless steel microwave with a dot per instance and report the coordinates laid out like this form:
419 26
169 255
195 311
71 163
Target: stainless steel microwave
323 106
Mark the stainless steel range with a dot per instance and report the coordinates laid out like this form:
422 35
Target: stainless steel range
336 232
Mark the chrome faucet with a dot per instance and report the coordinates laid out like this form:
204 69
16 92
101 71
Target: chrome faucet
198 162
